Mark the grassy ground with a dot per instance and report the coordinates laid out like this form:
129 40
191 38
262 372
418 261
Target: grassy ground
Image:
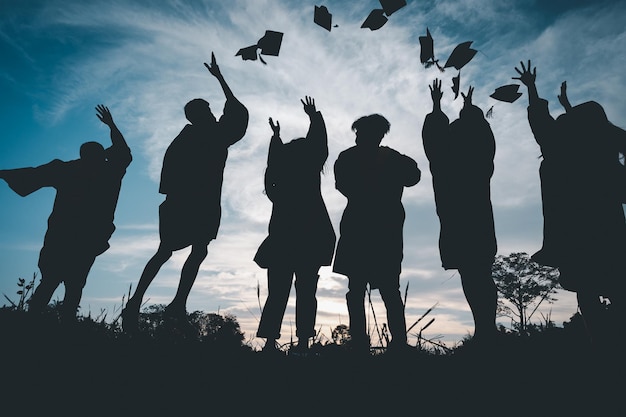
90 370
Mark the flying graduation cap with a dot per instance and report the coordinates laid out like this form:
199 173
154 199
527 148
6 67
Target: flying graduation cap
461 55
392 6
375 20
507 93
269 44
378 17
427 51
323 17
456 84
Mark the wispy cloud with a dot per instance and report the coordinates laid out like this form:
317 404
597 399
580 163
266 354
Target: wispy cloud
146 61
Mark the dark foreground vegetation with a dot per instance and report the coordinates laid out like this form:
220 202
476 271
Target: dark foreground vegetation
92 368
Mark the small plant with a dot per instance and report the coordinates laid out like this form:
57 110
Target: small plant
24 292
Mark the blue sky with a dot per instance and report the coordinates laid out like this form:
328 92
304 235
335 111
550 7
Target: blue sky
145 61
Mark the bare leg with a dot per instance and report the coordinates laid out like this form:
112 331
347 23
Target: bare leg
149 273
130 314
187 278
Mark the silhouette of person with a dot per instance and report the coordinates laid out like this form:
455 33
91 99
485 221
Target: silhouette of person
191 179
81 222
301 237
460 155
582 190
370 246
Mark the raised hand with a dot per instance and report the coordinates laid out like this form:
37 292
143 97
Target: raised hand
104 115
214 69
435 91
467 99
525 75
563 97
275 127
309 105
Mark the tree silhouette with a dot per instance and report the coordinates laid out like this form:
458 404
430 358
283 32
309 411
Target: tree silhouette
523 285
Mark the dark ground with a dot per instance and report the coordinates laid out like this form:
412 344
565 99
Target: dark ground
81 371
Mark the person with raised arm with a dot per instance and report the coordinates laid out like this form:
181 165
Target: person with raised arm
81 222
461 156
582 191
301 238
191 180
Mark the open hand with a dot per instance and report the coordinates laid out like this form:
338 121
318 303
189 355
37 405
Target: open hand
435 91
275 127
104 115
525 75
309 105
563 97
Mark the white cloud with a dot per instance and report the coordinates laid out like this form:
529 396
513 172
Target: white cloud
147 64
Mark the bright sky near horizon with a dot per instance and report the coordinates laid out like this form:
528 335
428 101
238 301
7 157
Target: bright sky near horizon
144 60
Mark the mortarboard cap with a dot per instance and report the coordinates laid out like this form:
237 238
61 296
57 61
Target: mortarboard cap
427 51
248 53
375 20
323 17
461 55
456 84
270 42
507 93
391 6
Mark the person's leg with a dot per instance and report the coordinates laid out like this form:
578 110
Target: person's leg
481 294
74 284
278 286
355 298
306 303
594 315
395 312
178 306
42 294
130 313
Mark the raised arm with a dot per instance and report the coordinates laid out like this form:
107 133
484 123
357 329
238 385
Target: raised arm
436 125
119 149
316 135
528 77
563 97
541 122
235 118
214 69
436 94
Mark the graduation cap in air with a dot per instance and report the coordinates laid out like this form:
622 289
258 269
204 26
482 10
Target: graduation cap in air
427 51
375 20
456 84
269 44
378 17
391 6
507 93
461 55
323 17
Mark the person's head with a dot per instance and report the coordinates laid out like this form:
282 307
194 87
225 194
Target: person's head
198 112
92 153
370 130
472 112
589 119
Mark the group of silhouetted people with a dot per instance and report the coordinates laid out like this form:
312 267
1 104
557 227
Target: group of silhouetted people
583 187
